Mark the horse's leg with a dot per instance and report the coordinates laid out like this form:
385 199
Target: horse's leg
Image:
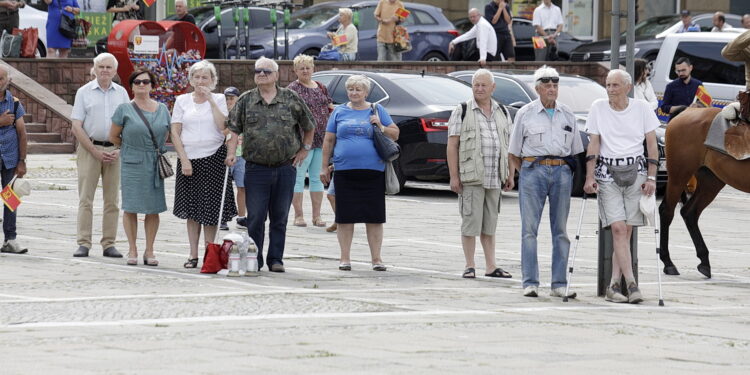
709 187
674 193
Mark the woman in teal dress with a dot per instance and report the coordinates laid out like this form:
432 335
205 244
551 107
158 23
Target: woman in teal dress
142 187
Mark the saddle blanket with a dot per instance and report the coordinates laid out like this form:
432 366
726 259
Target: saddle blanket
715 138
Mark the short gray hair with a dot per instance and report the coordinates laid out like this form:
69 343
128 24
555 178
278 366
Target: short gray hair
625 76
544 72
204 65
104 56
263 59
346 12
358 80
184 2
482 72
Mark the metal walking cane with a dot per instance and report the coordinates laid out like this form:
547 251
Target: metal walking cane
648 208
575 247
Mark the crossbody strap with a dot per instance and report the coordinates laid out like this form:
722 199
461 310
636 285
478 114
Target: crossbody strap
148 125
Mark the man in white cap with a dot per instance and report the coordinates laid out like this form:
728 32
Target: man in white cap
12 154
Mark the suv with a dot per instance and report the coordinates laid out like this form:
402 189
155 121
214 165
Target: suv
649 36
722 78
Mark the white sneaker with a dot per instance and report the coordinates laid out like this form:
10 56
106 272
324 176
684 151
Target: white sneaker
530 291
560 292
11 246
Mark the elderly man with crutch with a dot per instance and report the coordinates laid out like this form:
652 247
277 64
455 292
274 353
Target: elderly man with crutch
544 139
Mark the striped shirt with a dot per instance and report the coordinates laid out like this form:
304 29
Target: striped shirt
490 141
8 134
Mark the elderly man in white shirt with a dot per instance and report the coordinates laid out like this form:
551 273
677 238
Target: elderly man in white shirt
484 34
548 22
95 102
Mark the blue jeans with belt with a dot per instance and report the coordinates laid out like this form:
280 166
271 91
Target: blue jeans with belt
536 183
9 217
268 193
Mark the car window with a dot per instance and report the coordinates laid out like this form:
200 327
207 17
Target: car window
434 90
261 18
508 91
654 25
367 19
735 22
423 18
708 64
326 80
376 93
705 24
579 94
338 94
306 19
523 30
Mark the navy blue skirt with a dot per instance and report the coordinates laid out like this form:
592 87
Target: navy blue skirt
360 196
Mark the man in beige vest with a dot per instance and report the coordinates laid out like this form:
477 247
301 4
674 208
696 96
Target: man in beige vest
478 133
739 50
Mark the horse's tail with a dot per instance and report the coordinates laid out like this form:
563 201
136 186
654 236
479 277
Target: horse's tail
679 109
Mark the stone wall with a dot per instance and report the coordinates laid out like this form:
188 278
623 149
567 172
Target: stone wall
65 76
42 114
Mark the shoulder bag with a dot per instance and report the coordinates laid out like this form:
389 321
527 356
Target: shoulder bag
67 26
162 162
388 149
10 45
401 40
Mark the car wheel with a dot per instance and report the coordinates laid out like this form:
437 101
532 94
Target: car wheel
41 51
314 52
399 174
434 56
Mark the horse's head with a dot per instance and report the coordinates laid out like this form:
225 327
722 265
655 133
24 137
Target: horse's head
744 98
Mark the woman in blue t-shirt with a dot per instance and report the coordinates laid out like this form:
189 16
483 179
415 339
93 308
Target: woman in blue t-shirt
360 173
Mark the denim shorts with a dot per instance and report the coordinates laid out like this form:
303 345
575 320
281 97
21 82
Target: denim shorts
238 172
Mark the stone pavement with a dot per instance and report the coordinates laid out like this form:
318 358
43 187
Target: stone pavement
65 315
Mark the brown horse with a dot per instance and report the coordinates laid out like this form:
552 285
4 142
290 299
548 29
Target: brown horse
687 156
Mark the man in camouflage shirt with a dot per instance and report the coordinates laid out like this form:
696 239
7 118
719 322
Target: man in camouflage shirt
270 119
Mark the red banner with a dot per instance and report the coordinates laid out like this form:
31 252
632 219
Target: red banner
149 2
11 200
403 13
703 96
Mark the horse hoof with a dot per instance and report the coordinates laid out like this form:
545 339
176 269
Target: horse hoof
671 270
705 270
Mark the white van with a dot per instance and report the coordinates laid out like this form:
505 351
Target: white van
722 78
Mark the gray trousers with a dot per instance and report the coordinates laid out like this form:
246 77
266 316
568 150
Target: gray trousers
387 52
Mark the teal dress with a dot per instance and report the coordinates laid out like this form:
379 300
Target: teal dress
142 188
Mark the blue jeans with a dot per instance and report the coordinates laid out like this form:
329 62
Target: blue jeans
536 183
268 193
9 217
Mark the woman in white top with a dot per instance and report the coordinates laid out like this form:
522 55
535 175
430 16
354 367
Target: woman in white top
348 50
642 88
197 124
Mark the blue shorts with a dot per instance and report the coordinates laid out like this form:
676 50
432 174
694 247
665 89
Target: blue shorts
331 188
238 172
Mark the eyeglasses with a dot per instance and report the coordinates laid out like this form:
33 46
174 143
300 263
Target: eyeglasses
263 71
144 82
548 79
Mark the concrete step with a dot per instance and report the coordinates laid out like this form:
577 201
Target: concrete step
50 148
27 118
35 127
44 137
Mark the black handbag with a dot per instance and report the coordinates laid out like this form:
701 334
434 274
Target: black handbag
388 149
68 26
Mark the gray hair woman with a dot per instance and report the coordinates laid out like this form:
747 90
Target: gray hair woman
348 33
360 177
197 124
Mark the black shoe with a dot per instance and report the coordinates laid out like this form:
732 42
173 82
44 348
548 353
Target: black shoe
242 222
278 267
111 252
82 251
224 226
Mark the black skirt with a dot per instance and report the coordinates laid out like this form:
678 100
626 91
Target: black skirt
360 196
198 197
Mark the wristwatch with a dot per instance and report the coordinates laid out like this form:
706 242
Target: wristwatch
651 178
307 147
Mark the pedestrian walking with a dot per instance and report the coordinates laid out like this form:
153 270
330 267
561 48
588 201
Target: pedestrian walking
477 150
96 157
484 34
548 23
617 171
385 14
542 148
140 129
270 119
498 13
360 173
197 133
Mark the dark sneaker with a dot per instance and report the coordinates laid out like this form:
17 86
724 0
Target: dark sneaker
242 222
224 226
634 294
278 267
614 294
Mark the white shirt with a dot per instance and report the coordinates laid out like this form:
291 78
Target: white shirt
486 38
621 133
95 106
199 135
645 92
547 16
717 29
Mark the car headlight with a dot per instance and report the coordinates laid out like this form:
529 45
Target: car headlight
292 39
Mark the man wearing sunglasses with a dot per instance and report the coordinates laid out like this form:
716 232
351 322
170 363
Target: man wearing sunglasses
270 119
544 139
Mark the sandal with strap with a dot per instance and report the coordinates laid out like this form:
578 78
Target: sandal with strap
318 222
299 222
499 272
191 263
469 273
150 261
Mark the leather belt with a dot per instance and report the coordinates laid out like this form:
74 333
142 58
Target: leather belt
102 143
277 165
552 162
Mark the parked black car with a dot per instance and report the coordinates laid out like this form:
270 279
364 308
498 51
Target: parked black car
515 88
649 36
420 104
523 30
260 18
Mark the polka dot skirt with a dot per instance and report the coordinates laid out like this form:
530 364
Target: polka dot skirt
198 197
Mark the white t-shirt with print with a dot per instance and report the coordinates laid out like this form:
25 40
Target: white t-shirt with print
199 135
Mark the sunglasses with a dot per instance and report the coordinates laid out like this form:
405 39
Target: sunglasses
548 79
144 82
263 71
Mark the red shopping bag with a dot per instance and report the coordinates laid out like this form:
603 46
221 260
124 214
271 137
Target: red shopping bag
29 40
216 257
